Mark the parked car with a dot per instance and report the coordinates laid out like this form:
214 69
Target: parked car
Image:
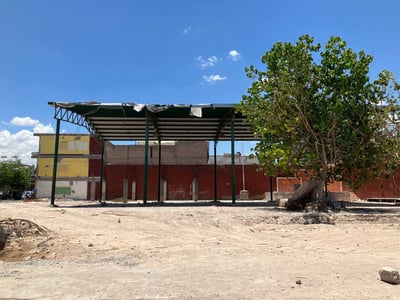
4 195
27 195
16 195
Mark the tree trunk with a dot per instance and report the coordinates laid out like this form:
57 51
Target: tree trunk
318 192
311 190
304 194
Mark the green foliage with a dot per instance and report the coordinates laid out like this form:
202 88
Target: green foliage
317 109
14 175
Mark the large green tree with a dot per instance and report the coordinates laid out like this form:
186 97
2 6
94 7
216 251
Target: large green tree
14 175
317 109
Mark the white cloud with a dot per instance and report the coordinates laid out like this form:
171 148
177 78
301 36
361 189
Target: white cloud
187 30
23 142
25 121
41 128
214 78
209 62
234 55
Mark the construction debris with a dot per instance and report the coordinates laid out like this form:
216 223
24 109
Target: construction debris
24 235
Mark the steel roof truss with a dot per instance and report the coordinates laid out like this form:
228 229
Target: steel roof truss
71 117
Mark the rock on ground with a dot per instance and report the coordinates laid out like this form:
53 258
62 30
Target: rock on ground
390 275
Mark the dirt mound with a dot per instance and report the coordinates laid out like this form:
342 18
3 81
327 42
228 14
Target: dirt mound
22 239
330 218
292 218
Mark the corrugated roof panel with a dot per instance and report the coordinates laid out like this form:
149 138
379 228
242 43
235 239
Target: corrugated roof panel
127 121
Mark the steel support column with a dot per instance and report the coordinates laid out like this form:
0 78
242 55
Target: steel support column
101 172
146 160
233 159
159 171
215 170
55 163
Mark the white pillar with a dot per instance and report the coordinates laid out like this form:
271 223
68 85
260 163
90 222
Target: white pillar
133 190
92 189
195 190
164 191
104 190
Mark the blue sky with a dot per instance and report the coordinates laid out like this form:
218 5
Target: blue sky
162 52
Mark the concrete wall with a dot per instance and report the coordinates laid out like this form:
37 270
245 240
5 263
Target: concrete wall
182 153
226 159
74 189
66 167
68 144
72 166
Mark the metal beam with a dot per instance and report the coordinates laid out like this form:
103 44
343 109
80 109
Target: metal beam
55 163
215 171
223 122
146 161
159 171
233 159
71 117
153 119
101 171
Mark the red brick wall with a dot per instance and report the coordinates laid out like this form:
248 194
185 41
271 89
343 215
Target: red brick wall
380 188
95 147
179 180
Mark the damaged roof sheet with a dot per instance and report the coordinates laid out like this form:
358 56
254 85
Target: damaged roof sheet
176 122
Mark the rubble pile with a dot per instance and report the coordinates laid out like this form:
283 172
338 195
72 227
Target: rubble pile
18 236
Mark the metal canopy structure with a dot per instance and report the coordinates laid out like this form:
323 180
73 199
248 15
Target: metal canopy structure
145 122
127 121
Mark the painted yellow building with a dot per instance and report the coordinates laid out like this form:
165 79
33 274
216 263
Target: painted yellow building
68 144
72 167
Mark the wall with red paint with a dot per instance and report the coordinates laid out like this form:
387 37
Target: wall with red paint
94 167
380 188
179 180
95 146
180 177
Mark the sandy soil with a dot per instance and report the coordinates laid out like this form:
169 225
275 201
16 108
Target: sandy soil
83 250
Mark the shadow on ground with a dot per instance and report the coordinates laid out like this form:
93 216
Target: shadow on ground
171 204
349 207
371 208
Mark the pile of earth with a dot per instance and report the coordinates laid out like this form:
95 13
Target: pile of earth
22 239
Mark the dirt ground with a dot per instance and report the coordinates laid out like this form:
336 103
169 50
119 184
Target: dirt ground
185 251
